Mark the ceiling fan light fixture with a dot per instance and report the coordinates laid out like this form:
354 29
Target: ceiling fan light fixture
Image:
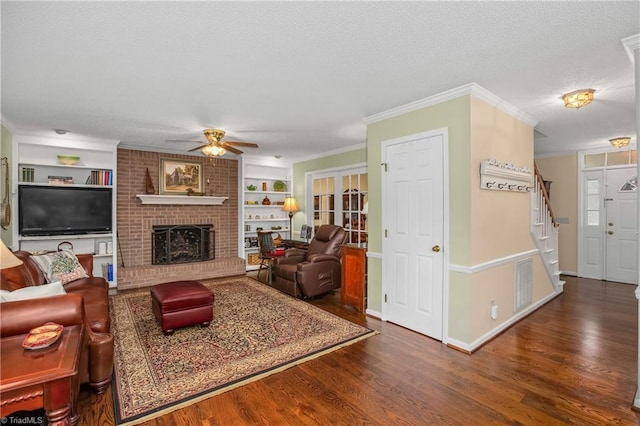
213 151
214 135
578 98
619 142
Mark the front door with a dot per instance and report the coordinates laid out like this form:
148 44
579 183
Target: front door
609 225
413 219
621 207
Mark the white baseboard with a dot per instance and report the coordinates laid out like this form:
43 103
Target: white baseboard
372 313
470 347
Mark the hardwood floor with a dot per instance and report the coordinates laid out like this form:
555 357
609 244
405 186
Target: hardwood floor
574 361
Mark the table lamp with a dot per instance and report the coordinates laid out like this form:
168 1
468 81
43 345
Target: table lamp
7 259
290 205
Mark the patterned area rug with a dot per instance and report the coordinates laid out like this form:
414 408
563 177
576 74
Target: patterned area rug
256 331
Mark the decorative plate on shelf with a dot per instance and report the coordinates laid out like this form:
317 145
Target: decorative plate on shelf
43 336
279 186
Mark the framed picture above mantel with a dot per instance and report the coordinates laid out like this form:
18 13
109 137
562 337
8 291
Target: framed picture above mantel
180 176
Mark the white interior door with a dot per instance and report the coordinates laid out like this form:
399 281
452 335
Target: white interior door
621 207
413 219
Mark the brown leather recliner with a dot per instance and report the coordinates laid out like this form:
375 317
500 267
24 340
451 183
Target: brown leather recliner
315 271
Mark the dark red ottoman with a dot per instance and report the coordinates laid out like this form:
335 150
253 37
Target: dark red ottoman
180 304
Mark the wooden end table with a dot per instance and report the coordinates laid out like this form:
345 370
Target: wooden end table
42 378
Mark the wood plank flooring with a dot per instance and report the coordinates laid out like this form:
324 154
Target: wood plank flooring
574 361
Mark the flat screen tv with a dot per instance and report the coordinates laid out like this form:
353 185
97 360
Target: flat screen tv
60 210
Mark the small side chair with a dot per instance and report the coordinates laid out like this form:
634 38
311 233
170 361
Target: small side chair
268 253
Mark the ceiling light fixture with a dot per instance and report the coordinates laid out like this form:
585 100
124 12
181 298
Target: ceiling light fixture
620 141
61 131
578 98
213 151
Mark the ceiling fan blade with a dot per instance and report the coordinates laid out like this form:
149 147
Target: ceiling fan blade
232 149
196 148
247 144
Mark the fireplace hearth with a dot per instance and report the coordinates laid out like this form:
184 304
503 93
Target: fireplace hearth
182 244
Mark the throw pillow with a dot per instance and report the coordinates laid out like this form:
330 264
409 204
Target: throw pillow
60 266
34 292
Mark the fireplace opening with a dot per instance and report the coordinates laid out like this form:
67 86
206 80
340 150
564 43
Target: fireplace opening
182 244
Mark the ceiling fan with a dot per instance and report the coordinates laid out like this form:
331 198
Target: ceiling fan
215 147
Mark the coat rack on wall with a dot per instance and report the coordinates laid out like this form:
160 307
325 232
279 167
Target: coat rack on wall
504 177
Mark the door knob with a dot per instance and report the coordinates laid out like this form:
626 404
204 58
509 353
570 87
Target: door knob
610 232
435 248
610 223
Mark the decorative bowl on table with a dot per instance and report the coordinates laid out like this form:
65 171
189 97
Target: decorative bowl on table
68 160
43 336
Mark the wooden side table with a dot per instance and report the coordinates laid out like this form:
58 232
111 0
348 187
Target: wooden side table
354 276
42 378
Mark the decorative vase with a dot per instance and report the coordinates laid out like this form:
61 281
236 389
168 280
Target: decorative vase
266 201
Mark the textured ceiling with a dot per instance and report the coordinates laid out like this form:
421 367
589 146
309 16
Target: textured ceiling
299 77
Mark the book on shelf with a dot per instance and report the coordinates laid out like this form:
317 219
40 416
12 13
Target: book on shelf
60 179
100 177
28 174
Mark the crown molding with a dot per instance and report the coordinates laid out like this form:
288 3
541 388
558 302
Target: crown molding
334 152
43 137
7 124
471 89
630 44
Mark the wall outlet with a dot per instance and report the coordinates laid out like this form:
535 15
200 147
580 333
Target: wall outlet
494 310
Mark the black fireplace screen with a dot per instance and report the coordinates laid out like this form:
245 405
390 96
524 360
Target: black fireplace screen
182 244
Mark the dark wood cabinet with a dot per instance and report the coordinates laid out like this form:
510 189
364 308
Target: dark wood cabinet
354 277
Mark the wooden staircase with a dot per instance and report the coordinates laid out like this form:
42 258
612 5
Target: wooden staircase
544 230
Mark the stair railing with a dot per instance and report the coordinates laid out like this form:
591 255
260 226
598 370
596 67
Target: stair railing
544 229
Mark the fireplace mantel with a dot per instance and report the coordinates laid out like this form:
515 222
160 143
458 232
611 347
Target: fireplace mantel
182 199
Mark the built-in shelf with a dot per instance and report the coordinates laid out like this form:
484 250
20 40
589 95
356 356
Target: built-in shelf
182 199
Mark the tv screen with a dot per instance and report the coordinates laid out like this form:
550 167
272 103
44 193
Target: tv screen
60 210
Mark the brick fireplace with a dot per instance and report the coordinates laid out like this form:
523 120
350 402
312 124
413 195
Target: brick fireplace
136 221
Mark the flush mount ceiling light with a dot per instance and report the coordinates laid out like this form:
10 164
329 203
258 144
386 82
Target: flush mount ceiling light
620 142
578 98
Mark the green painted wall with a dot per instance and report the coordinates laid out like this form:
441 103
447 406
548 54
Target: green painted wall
6 150
483 225
455 116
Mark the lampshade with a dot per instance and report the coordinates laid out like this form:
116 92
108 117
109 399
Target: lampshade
7 259
578 98
620 142
290 205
